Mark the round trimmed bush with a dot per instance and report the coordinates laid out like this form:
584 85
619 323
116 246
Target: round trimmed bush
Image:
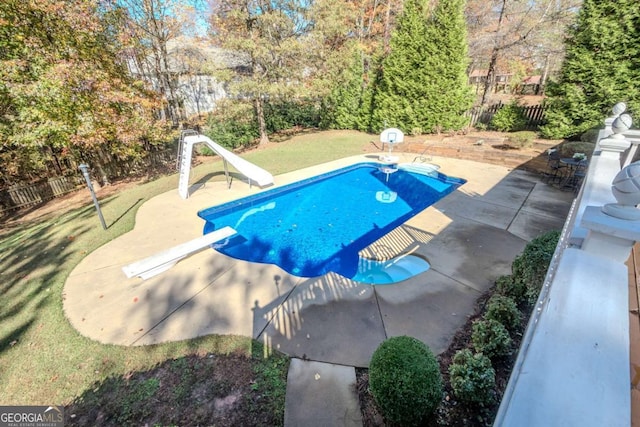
509 287
491 338
472 378
504 310
530 267
405 380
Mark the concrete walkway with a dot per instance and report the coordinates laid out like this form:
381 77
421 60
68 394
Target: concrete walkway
328 324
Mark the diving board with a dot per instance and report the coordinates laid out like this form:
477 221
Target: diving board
254 173
156 264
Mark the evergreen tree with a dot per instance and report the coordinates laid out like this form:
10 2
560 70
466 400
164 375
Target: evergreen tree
422 83
602 67
451 95
342 108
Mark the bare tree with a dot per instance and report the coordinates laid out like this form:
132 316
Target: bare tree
147 28
289 47
531 31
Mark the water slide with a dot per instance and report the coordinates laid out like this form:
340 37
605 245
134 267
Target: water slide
254 174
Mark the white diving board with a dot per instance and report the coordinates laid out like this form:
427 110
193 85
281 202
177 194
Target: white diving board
156 264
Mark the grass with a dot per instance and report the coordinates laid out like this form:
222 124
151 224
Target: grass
44 361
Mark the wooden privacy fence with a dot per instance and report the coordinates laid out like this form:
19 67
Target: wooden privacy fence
20 195
24 195
533 113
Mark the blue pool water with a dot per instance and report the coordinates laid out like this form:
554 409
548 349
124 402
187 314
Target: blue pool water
319 225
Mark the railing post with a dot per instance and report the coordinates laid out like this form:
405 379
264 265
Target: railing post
633 135
609 236
617 109
603 167
614 228
615 144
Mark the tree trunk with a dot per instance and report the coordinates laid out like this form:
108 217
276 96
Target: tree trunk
262 124
545 75
491 71
387 27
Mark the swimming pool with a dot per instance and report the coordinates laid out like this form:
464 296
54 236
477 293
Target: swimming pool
318 225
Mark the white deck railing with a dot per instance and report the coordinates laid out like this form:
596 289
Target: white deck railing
573 365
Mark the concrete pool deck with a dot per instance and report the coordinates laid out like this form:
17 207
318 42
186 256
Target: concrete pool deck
328 324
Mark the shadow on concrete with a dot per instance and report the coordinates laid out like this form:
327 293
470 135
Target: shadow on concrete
470 238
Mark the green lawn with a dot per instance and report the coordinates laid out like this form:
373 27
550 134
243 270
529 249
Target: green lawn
43 360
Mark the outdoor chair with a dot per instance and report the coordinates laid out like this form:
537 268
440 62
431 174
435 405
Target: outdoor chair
556 171
578 176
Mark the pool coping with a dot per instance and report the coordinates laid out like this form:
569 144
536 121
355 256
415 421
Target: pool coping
281 216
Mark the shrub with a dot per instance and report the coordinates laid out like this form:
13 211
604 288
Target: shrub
232 125
522 139
480 126
530 267
204 150
568 149
509 287
590 136
504 310
405 380
472 378
284 115
509 118
491 338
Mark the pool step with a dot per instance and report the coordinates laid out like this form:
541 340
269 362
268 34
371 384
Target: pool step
156 264
422 168
390 271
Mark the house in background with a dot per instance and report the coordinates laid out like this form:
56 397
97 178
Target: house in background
531 85
194 66
190 69
503 83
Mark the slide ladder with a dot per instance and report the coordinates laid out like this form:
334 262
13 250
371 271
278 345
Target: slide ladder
254 173
183 165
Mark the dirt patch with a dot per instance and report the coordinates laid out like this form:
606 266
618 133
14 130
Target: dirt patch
485 147
228 390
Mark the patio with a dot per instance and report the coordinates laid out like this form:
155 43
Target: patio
470 239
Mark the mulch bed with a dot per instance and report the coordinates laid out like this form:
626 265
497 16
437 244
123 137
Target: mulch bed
451 412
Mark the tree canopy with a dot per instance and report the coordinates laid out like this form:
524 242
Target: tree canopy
602 67
517 37
62 91
288 46
422 84
79 77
